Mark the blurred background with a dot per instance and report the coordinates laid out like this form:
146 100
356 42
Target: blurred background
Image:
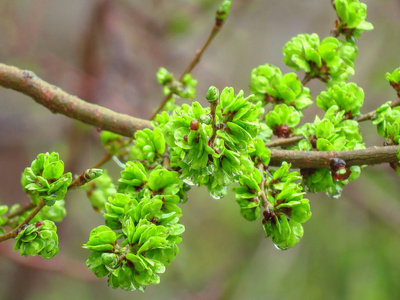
107 52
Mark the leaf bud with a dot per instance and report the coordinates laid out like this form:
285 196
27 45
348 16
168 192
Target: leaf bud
222 12
212 94
205 119
194 125
164 77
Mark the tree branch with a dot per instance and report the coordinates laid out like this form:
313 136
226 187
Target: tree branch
369 115
13 233
297 138
58 101
21 210
321 159
284 141
214 31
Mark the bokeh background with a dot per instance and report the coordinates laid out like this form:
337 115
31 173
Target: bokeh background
107 52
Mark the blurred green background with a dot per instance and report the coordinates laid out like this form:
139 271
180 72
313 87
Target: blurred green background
107 52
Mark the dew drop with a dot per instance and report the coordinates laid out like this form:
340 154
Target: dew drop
281 247
334 196
215 196
118 162
219 194
188 182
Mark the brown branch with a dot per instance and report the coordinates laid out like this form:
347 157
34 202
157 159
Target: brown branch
214 31
81 179
284 141
21 210
267 204
321 159
58 101
369 115
13 233
295 139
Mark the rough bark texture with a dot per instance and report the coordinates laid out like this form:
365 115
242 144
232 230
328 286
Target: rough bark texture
58 101
321 159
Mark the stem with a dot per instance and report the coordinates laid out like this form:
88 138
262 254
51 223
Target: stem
21 210
58 101
103 160
321 159
306 79
13 233
214 31
284 141
267 204
295 139
369 115
213 106
80 180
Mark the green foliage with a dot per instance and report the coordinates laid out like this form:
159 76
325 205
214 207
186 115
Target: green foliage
144 213
38 239
215 146
333 132
248 195
351 18
270 86
347 96
98 190
45 179
185 88
149 146
223 12
55 213
331 60
283 119
115 144
394 79
387 121
287 210
3 218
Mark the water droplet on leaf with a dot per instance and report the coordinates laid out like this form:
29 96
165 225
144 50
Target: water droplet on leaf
215 196
219 194
334 196
282 248
188 182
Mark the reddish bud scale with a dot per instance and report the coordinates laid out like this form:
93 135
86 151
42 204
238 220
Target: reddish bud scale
313 141
39 224
194 125
336 165
282 131
341 177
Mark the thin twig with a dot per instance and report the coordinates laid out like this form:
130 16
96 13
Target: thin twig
306 79
20 211
214 31
369 115
13 233
213 106
81 179
103 160
266 203
284 141
295 139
